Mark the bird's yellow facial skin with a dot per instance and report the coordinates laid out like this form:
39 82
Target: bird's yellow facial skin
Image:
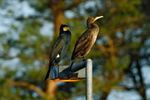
65 28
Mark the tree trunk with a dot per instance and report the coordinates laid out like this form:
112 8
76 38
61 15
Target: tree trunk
58 20
51 87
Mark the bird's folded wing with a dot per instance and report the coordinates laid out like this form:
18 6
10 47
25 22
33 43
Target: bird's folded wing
82 44
57 48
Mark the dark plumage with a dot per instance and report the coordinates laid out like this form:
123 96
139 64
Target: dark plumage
59 48
86 40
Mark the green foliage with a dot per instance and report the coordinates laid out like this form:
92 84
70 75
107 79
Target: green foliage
33 41
40 5
111 60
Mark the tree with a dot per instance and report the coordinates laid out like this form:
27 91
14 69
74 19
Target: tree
121 47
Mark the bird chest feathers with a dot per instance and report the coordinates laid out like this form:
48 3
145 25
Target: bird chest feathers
94 33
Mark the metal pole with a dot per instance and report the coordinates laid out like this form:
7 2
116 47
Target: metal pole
89 75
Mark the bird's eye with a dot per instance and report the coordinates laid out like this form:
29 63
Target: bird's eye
65 28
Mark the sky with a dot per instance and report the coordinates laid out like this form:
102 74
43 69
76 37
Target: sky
7 17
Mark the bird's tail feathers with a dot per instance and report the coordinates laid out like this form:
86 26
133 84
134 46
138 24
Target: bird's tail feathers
49 70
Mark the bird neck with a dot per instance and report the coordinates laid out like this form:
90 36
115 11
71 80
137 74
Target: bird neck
65 33
92 25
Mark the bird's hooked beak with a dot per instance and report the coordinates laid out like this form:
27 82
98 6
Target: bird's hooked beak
96 18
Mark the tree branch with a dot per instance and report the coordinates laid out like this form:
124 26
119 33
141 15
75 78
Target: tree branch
132 74
27 85
141 80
